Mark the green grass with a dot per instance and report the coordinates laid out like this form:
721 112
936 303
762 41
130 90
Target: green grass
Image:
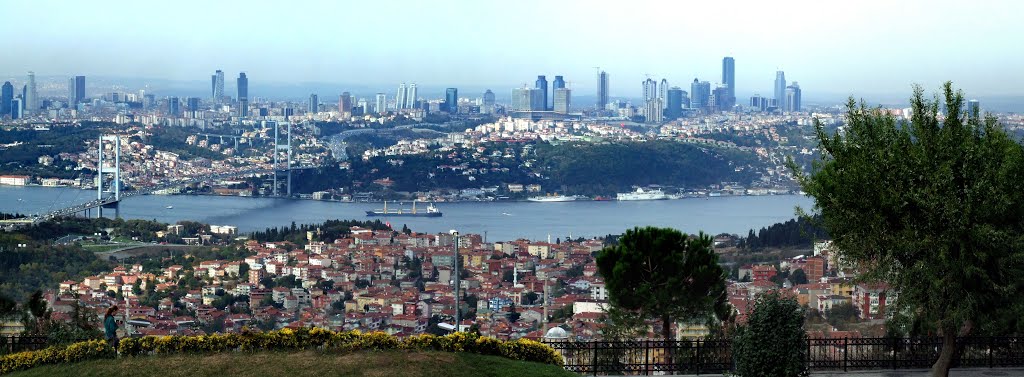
306 363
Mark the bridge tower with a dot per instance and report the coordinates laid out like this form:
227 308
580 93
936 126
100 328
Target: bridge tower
111 192
278 149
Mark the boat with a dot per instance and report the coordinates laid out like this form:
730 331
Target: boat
600 198
552 198
431 211
169 207
641 194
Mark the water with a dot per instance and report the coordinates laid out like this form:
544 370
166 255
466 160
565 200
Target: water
501 220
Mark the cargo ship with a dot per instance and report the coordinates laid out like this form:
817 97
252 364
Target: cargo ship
431 211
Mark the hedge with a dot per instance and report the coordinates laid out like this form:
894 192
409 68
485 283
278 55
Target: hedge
284 340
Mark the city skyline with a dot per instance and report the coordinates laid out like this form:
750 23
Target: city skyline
821 55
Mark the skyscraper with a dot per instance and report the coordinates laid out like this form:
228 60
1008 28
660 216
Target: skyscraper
542 84
652 111
17 108
400 97
345 103
973 110
700 94
411 96
217 86
314 104
32 97
650 89
663 92
451 100
793 97
720 98
729 79
192 104
602 90
381 103
243 95
563 99
173 106
488 102
674 105
76 90
6 97
559 83
521 98
780 89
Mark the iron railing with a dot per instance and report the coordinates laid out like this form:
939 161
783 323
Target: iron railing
657 357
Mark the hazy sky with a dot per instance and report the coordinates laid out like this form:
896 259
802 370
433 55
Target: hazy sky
834 47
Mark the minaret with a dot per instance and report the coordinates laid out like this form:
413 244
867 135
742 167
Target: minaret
544 324
515 276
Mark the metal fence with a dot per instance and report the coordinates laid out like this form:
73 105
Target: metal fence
650 357
18 343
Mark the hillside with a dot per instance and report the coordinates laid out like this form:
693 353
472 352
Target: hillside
308 363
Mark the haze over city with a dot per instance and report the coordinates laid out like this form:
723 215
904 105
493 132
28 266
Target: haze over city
871 49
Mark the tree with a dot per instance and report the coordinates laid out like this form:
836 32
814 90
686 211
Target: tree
665 274
841 314
798 277
932 206
513 315
773 342
7 306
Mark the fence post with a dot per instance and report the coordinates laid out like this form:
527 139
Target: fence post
893 350
593 363
647 357
846 352
697 355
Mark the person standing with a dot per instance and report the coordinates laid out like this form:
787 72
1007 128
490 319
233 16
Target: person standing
110 327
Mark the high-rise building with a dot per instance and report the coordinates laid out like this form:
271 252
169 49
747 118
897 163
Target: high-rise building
758 103
314 104
650 89
559 83
488 107
173 106
217 86
527 99
674 105
563 100
451 100
192 104
720 100
793 97
76 90
410 96
6 97
700 94
345 103
602 90
780 89
663 92
17 108
542 84
729 79
243 95
381 103
32 97
400 97
973 110
652 111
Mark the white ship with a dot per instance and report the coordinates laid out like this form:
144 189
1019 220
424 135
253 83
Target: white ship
552 198
641 194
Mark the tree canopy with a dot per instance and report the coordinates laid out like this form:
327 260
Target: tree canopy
773 341
666 275
933 206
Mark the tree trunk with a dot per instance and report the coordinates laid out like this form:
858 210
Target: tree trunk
945 361
666 328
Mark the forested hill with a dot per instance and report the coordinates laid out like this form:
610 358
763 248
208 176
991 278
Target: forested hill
799 232
605 168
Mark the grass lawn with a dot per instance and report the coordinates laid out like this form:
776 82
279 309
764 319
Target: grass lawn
305 363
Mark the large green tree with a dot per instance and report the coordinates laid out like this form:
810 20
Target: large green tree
933 205
664 274
773 342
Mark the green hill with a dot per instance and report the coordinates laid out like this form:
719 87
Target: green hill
306 363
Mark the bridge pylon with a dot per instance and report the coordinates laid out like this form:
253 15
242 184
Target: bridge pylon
113 190
278 149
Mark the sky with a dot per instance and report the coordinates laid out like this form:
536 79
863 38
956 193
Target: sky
832 48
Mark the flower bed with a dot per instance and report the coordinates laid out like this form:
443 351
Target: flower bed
284 340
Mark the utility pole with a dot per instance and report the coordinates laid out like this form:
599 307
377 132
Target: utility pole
458 309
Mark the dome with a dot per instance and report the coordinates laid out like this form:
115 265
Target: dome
556 333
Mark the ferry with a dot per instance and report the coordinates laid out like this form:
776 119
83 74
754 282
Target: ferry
431 211
553 198
641 194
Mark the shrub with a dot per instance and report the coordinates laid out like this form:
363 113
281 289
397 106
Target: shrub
773 342
284 340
